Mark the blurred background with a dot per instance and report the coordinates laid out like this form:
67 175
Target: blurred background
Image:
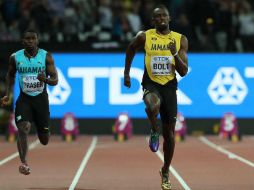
88 39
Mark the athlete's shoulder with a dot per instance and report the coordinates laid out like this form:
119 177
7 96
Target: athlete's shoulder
140 37
21 51
17 53
140 33
150 31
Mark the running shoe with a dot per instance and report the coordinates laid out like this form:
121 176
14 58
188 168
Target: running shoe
24 169
165 183
154 141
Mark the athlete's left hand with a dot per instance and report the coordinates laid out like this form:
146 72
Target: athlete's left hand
41 76
172 47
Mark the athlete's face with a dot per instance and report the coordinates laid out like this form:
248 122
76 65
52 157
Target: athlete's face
161 18
30 40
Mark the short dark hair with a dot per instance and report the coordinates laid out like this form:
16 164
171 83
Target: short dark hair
161 6
30 30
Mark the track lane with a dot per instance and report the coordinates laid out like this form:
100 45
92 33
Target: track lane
243 148
53 166
205 168
7 148
123 165
127 165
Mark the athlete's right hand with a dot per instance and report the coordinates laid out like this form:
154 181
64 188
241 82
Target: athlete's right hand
4 101
127 80
41 76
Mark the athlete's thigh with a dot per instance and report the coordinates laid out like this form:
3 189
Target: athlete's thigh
42 114
151 94
23 110
168 109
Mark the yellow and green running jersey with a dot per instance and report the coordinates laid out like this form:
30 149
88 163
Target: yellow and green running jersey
158 59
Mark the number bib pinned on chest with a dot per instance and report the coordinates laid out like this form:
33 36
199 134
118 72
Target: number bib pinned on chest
161 65
32 84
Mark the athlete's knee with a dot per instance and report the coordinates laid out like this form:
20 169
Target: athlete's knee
24 127
152 102
153 108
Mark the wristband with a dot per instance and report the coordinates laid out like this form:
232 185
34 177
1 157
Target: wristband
175 54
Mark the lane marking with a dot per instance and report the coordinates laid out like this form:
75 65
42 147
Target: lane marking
16 154
83 163
172 170
224 151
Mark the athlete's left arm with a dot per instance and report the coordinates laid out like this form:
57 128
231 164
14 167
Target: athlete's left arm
181 58
51 71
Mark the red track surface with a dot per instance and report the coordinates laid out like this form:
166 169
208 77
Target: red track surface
128 165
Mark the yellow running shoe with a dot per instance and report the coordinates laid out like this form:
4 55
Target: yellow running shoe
165 183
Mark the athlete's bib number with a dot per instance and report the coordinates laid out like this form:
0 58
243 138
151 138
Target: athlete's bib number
161 65
32 84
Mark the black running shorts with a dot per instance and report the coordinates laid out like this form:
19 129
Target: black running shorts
167 95
33 109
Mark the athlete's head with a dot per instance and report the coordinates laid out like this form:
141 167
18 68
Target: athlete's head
30 39
161 17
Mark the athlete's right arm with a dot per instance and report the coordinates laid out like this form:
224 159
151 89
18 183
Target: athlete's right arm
10 79
137 43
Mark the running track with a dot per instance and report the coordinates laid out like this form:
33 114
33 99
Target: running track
100 163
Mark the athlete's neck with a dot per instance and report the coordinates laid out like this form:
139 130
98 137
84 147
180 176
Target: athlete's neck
31 52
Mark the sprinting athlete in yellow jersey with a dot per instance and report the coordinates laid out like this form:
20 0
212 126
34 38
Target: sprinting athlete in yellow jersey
165 53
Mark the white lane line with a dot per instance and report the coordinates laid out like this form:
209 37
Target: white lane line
83 163
174 172
16 154
224 151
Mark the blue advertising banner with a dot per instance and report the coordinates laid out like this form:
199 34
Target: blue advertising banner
91 86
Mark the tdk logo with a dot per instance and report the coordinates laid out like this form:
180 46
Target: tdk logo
227 87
